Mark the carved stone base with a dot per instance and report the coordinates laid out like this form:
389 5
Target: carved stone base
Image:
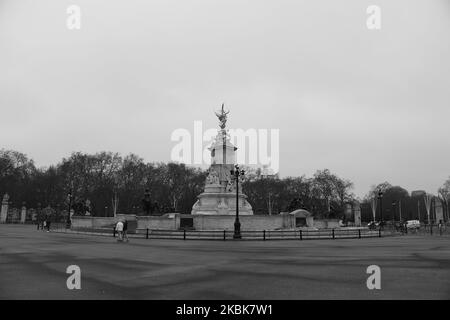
221 204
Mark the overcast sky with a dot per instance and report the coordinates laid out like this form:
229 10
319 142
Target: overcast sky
369 105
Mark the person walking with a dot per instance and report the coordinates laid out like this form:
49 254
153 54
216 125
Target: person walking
48 222
440 225
119 229
125 230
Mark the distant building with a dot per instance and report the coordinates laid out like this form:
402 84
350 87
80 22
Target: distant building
418 193
267 172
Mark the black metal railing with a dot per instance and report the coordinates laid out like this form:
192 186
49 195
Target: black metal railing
224 235
261 234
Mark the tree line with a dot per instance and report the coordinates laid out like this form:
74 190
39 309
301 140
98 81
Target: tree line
398 204
99 178
110 182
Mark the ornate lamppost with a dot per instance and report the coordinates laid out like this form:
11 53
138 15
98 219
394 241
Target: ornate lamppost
380 198
147 203
69 197
237 225
394 212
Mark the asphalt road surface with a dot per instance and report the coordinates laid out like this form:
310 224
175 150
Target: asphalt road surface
33 266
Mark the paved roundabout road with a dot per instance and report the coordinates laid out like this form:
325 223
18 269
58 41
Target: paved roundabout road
33 266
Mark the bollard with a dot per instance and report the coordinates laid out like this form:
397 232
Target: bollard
184 234
333 233
379 233
359 233
431 229
224 235
114 232
146 234
301 235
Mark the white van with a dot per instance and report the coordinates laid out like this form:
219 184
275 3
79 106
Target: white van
413 224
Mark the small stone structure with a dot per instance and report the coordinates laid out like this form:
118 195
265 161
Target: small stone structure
357 213
303 218
23 214
4 210
348 211
439 211
352 212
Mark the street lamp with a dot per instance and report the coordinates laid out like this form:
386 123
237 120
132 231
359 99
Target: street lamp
380 198
237 225
68 221
393 210
39 215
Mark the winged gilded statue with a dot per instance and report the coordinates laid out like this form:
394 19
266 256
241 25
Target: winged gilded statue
222 117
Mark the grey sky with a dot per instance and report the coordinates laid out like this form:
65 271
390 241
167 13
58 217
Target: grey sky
368 105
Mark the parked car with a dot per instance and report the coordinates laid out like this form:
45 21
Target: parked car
372 225
375 225
413 224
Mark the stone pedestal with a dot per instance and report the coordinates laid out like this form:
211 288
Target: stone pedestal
439 211
23 214
221 204
357 214
348 211
4 210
